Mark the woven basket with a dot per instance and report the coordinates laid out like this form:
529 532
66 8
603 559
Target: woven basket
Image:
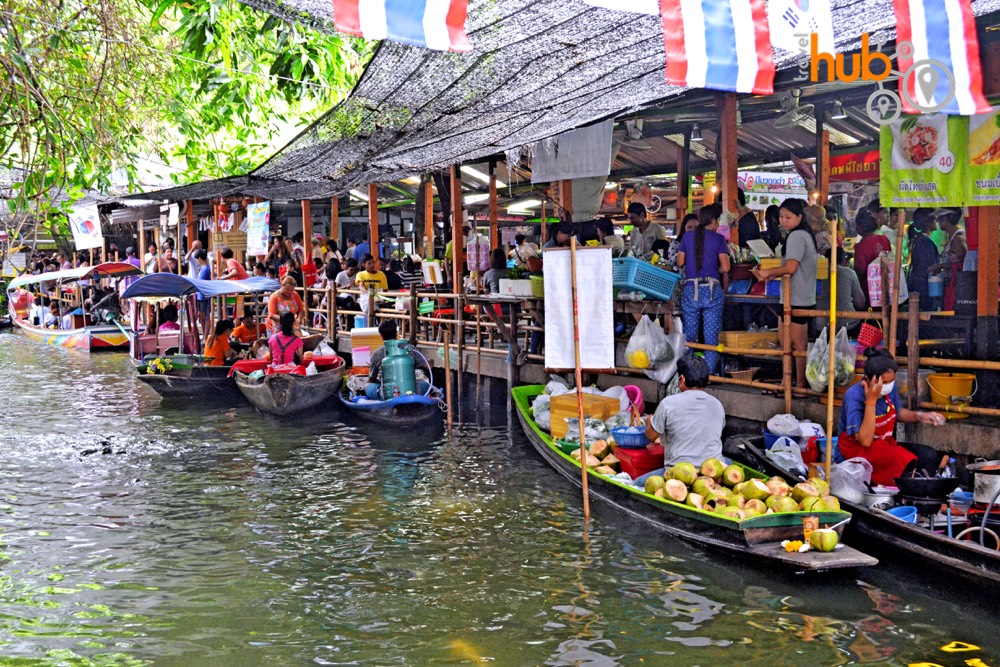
745 375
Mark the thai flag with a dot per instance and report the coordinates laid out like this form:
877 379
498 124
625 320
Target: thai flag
720 44
434 24
942 30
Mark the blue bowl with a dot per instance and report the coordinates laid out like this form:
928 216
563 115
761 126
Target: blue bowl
904 513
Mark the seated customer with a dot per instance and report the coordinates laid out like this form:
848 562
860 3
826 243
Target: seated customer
247 332
168 319
52 317
689 424
285 346
217 345
868 421
387 330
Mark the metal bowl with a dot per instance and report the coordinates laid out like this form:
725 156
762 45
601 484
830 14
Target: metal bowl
920 487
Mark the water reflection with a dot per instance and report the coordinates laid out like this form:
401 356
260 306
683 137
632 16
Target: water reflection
135 531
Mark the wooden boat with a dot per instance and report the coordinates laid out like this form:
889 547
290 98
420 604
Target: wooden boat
189 376
879 531
758 538
287 393
401 411
88 334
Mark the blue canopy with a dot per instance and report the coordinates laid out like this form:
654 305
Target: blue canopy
171 284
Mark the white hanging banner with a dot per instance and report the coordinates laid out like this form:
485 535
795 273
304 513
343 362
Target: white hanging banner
574 154
258 227
595 303
85 224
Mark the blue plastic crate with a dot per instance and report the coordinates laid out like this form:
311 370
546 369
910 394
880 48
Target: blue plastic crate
635 274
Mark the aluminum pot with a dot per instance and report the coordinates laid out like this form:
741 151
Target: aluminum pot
987 480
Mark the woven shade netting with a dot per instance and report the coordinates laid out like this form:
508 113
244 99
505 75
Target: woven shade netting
538 68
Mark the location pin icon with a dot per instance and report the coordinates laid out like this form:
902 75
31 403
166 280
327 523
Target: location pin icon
883 106
927 81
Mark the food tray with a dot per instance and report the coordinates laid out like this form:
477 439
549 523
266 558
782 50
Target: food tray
635 274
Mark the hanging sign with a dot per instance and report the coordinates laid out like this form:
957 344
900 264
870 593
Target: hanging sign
85 224
939 160
854 166
764 188
258 227
595 306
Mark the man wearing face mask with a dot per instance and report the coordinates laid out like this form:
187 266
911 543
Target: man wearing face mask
868 421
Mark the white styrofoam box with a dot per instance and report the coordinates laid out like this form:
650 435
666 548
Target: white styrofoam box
515 287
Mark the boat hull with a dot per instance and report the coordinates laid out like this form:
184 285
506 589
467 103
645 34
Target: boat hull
95 338
758 537
285 393
199 382
402 411
879 531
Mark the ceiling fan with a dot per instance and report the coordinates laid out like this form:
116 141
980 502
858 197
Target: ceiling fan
633 135
793 114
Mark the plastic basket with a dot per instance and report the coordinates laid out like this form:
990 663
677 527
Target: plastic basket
869 336
538 287
629 440
636 274
745 375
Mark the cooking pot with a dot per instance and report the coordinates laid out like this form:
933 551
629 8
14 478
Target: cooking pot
987 480
922 487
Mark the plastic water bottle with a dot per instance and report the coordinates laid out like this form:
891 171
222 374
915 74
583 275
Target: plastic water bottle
949 468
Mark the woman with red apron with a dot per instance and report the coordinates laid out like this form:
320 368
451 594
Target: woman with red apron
953 254
868 420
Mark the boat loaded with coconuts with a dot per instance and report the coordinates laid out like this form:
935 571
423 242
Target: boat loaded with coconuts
733 508
887 522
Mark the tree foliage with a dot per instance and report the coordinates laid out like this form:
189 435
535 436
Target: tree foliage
91 87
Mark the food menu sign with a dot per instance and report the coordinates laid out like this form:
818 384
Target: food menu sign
764 188
940 160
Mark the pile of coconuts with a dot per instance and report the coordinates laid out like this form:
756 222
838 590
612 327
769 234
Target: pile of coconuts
724 490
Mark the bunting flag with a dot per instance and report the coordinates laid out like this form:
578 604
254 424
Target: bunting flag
793 22
945 31
718 44
434 24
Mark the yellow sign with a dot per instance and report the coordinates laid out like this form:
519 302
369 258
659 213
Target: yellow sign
235 241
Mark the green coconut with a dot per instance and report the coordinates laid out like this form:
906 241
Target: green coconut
785 504
600 448
592 461
606 470
755 506
802 490
755 489
676 490
824 539
808 503
660 493
778 487
684 472
821 485
703 486
695 500
732 475
738 488
612 461
712 468
732 513
738 501
828 504
654 482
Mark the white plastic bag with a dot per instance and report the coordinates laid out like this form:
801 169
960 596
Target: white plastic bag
594 429
784 424
648 347
311 369
818 362
668 371
786 454
846 357
540 412
324 350
848 480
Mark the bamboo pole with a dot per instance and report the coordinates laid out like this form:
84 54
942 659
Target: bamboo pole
961 409
413 314
447 375
897 271
787 361
578 376
912 351
832 363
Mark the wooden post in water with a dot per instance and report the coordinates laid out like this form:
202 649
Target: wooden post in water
447 375
413 314
578 376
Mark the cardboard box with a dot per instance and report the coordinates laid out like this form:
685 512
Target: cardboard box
515 287
564 407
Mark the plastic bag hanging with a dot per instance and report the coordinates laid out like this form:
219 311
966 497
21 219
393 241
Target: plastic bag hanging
818 362
648 347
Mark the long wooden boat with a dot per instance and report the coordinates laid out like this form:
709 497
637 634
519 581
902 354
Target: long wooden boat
758 538
881 532
95 336
402 411
287 393
189 378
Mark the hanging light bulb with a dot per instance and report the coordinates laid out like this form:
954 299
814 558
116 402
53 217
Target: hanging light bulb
695 133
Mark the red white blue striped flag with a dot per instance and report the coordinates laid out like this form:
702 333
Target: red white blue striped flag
942 30
434 24
719 44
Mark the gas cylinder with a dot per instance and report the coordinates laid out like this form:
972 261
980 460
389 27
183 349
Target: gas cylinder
398 371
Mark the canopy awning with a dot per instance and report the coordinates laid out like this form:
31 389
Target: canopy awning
105 270
173 285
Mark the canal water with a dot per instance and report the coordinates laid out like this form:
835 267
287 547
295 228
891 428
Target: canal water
140 532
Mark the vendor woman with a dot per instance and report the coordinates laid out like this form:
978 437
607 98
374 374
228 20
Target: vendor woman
868 420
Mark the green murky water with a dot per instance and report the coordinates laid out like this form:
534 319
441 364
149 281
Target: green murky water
136 532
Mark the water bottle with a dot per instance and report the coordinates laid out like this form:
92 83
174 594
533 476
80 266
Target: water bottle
948 470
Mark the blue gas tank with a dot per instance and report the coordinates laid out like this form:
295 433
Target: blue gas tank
398 370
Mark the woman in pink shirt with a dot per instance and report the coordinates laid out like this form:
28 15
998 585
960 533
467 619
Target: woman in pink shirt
285 346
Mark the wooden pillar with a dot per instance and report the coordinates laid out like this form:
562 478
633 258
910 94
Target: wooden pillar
192 231
683 178
494 217
566 196
727 150
988 235
335 220
429 217
822 161
141 254
307 227
457 238
373 219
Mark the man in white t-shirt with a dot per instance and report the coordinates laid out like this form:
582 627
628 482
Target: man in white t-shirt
689 424
644 233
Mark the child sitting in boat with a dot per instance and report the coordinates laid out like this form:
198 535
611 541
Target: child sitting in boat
217 345
285 346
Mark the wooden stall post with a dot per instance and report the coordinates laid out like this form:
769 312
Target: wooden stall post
787 361
413 314
566 195
335 220
457 239
373 219
683 176
142 243
913 351
429 217
447 376
988 236
897 266
494 217
331 313
822 160
728 154
192 231
832 363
